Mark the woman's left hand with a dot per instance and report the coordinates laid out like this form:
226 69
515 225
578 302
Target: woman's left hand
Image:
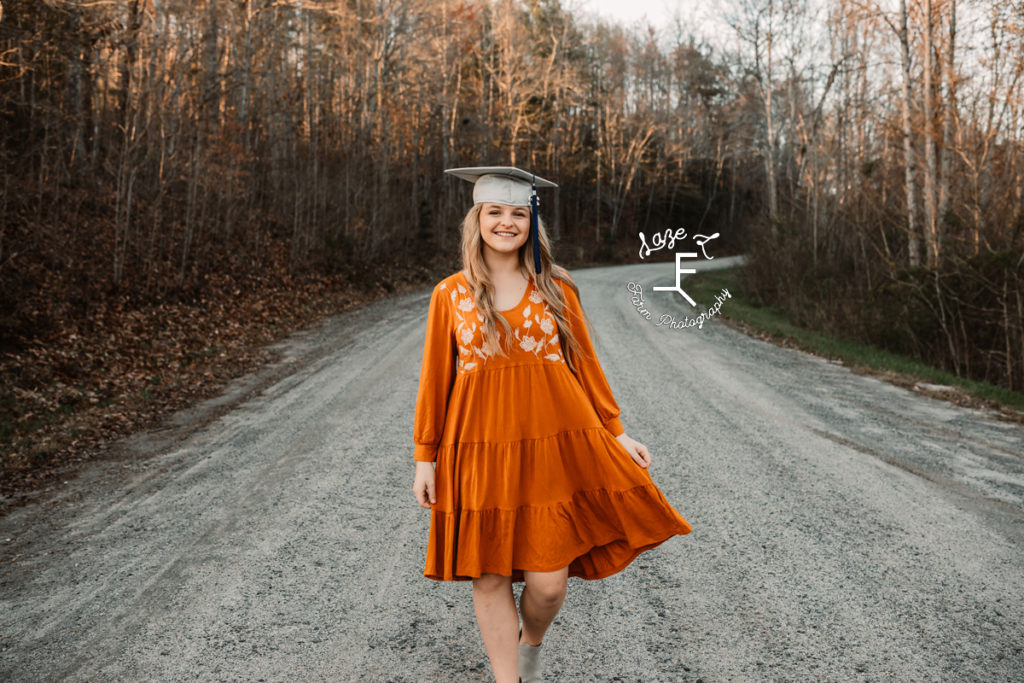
641 456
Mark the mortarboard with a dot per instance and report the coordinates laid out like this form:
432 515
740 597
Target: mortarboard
507 185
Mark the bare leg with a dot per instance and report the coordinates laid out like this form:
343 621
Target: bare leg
496 615
541 599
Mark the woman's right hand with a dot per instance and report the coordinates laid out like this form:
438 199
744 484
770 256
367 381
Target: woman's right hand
423 485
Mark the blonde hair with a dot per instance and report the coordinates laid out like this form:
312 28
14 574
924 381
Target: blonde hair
479 278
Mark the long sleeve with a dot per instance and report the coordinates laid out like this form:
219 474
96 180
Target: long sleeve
437 373
588 369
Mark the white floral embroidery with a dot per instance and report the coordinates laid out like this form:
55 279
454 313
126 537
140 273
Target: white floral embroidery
527 343
474 350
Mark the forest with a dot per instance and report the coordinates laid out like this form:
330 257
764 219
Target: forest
866 154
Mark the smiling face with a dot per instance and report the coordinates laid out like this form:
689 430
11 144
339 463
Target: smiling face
504 228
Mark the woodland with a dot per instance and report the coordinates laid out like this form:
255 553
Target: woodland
181 181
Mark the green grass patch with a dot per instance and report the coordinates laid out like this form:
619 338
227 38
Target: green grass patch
770 321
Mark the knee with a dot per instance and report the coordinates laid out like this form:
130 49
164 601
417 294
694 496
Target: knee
491 583
547 593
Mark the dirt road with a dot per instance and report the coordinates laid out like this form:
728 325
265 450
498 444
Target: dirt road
844 529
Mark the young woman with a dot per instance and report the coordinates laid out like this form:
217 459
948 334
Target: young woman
521 457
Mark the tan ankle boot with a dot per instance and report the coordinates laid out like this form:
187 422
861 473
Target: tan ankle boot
529 662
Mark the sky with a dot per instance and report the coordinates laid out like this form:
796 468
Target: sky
703 19
659 12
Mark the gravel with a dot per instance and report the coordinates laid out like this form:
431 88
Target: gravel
844 529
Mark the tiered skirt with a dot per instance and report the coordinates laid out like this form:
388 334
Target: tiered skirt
529 479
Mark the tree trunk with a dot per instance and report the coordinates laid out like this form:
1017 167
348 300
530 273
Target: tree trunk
948 120
769 121
930 166
909 161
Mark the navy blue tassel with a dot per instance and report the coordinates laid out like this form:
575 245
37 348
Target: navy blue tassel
533 226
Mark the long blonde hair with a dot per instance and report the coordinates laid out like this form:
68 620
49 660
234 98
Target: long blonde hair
479 278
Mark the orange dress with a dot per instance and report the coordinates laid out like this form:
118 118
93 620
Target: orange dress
528 473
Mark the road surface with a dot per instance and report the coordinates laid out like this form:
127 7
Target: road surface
844 529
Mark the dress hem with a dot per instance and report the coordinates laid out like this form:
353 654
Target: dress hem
596 533
517 572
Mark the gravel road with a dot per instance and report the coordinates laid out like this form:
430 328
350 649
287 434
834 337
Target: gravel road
844 529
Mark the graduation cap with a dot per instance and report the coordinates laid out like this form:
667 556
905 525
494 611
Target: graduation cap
507 185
